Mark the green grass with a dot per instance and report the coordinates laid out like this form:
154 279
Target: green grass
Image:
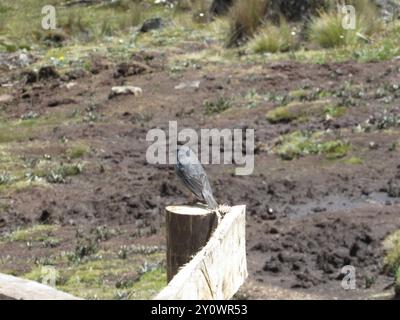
34 233
77 151
328 32
109 277
299 144
23 130
21 21
334 111
354 160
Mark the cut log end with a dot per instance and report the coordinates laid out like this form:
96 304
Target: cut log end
188 230
189 210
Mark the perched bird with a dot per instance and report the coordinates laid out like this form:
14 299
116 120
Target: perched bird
192 174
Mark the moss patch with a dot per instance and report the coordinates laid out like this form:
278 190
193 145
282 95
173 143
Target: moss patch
296 110
299 144
354 161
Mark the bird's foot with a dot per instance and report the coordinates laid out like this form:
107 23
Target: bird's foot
221 211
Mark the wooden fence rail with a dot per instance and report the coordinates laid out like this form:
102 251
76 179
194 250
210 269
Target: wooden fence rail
219 269
13 288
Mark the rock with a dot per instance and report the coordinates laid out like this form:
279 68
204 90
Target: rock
30 76
25 59
76 74
47 72
58 102
125 90
70 85
152 24
188 84
127 69
5 98
373 145
55 36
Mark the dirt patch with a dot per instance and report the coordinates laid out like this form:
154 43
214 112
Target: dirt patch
306 218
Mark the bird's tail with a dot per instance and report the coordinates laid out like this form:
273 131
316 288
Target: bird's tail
208 197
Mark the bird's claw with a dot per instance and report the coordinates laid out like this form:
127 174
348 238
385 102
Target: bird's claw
221 211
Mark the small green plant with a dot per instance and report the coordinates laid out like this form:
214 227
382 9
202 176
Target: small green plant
335 111
59 174
218 106
102 233
6 178
123 252
83 249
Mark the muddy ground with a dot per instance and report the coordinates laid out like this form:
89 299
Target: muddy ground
306 217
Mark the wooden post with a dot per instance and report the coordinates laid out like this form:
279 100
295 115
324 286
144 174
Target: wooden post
188 230
219 269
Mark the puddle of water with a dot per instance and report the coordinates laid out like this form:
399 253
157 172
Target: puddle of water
337 203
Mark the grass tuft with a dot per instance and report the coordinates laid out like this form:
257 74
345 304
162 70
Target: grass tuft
245 17
272 38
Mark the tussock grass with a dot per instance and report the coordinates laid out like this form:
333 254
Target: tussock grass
327 29
272 38
245 17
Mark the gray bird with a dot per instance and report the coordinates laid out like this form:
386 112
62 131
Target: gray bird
192 174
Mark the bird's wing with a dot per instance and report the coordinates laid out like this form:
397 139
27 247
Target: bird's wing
191 175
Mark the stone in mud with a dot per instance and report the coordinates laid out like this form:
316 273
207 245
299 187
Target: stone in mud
125 90
48 72
30 76
56 37
76 74
126 69
152 24
58 102
5 98
188 84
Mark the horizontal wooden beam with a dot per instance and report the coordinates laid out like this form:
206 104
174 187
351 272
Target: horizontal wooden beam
219 269
13 288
